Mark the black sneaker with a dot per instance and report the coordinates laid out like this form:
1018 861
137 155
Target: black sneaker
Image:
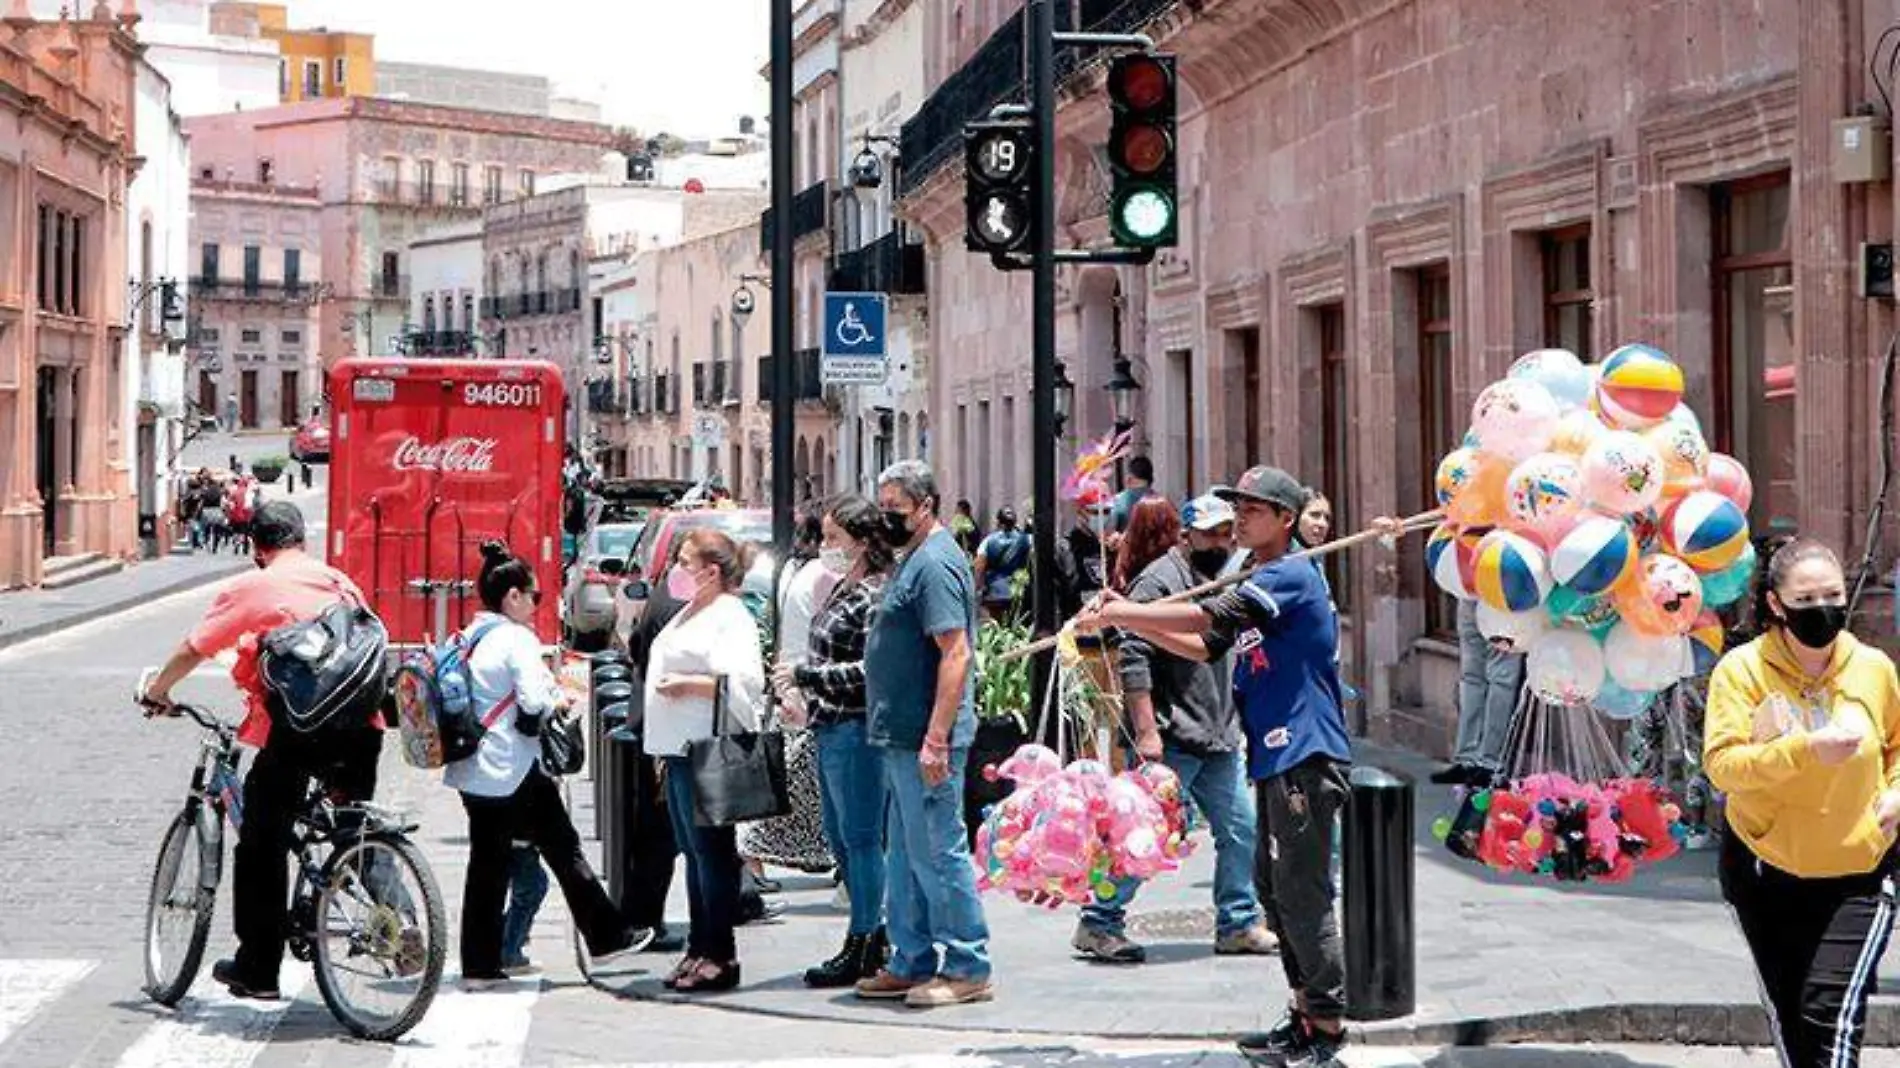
1453 775
226 972
1318 1049
1273 1047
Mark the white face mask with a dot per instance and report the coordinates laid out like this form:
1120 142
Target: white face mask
836 561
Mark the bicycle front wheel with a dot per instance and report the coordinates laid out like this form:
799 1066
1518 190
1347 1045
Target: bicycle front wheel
381 937
178 906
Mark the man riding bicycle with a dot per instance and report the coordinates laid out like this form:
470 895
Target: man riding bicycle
289 586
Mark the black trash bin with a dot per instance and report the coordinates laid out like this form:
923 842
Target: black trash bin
1380 936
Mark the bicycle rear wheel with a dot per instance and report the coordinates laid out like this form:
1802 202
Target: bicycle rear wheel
178 907
381 937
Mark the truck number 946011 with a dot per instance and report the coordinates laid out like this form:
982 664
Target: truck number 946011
502 394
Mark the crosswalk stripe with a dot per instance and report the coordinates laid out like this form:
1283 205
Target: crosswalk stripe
27 986
464 1029
212 1029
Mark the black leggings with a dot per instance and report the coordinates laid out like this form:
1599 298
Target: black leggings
1816 944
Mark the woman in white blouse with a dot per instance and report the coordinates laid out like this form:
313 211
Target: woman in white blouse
507 795
712 643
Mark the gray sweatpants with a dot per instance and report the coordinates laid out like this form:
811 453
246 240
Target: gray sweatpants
1488 685
1293 869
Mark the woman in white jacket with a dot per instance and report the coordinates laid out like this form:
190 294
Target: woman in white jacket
712 644
507 795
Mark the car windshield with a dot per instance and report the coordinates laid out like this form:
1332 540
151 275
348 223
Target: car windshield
616 539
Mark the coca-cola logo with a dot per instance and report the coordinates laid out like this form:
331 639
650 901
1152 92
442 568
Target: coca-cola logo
452 456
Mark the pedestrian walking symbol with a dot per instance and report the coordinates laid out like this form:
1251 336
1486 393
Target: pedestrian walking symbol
854 347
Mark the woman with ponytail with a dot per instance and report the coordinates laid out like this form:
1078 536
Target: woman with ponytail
1803 734
506 794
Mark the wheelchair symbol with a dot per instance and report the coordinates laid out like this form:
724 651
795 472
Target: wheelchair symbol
851 330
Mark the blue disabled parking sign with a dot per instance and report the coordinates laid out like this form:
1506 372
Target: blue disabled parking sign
854 350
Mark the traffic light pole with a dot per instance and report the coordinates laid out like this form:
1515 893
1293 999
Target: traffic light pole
1042 100
784 368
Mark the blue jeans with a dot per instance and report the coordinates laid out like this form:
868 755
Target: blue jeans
527 888
851 789
1218 785
932 898
712 871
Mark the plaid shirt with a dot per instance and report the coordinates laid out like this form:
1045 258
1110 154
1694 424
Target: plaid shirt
832 677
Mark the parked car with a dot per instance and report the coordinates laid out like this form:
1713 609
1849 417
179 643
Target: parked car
647 561
588 602
311 443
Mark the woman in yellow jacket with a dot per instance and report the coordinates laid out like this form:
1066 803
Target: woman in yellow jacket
1803 735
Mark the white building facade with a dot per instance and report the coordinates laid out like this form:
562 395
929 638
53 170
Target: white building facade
209 73
445 295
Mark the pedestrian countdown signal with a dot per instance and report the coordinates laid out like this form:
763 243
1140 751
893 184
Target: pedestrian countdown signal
1000 172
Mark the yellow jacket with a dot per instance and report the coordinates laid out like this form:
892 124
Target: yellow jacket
1802 816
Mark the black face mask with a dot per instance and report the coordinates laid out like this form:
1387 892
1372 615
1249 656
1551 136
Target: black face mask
897 529
1208 562
1815 626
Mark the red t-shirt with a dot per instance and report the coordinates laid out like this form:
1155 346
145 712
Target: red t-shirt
296 587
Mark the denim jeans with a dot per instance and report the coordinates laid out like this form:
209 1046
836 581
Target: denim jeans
1217 784
527 888
712 871
1487 694
931 900
851 788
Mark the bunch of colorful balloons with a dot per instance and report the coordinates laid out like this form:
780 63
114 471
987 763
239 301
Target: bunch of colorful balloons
1551 824
1593 526
1071 835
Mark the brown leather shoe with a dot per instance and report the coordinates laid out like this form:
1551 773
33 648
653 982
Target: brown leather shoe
1254 940
940 992
887 987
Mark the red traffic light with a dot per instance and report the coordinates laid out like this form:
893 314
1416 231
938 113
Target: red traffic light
1142 148
1140 82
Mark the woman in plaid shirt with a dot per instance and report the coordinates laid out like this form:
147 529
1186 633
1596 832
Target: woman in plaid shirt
831 679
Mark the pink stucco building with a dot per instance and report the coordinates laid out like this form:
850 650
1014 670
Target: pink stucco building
1383 203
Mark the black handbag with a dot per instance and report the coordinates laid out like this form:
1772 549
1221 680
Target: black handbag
563 745
738 777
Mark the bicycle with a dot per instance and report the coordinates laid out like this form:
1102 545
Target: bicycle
350 890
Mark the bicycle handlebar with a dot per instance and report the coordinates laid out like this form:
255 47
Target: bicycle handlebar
212 723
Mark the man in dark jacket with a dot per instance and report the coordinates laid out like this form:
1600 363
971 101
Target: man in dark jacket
1182 713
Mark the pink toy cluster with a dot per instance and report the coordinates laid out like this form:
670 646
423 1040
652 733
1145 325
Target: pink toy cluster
1067 835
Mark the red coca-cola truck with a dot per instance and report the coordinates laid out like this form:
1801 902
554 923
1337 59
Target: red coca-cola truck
431 458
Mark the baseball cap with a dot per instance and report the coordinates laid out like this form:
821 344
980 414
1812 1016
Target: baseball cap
1268 484
277 525
1207 512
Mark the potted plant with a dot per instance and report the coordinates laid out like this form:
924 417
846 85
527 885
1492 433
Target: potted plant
269 468
1003 701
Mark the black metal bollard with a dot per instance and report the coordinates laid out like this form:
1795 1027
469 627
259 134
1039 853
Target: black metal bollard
608 667
1380 933
612 712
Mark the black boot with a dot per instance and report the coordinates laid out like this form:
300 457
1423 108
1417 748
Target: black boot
844 969
877 953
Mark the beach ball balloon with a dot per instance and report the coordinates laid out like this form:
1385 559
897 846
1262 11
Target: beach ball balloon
1595 615
1597 554
1705 530
1723 588
1559 371
1543 496
1621 473
1640 385
1728 477
1706 640
1470 487
1510 573
1575 432
1565 667
1685 456
1449 555
1686 415
1514 418
1663 597
1618 702
1519 630
1639 661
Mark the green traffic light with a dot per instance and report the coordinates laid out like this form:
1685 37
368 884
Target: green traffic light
1144 217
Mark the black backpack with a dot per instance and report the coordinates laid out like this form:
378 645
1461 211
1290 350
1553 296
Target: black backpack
328 672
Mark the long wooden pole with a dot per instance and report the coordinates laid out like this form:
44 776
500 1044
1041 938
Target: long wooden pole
1410 525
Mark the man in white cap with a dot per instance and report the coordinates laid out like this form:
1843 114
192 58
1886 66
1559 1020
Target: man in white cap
1182 713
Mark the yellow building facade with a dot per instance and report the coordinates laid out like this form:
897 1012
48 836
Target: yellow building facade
318 63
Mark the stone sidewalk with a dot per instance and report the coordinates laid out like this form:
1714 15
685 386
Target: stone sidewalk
1499 960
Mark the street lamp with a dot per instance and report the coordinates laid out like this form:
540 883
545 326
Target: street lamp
1122 388
1065 398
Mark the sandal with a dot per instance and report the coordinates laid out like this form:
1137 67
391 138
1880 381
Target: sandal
686 967
709 978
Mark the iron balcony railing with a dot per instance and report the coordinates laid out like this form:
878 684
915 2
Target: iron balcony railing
808 215
888 265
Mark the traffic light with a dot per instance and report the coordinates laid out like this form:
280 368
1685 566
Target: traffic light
1143 206
999 185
